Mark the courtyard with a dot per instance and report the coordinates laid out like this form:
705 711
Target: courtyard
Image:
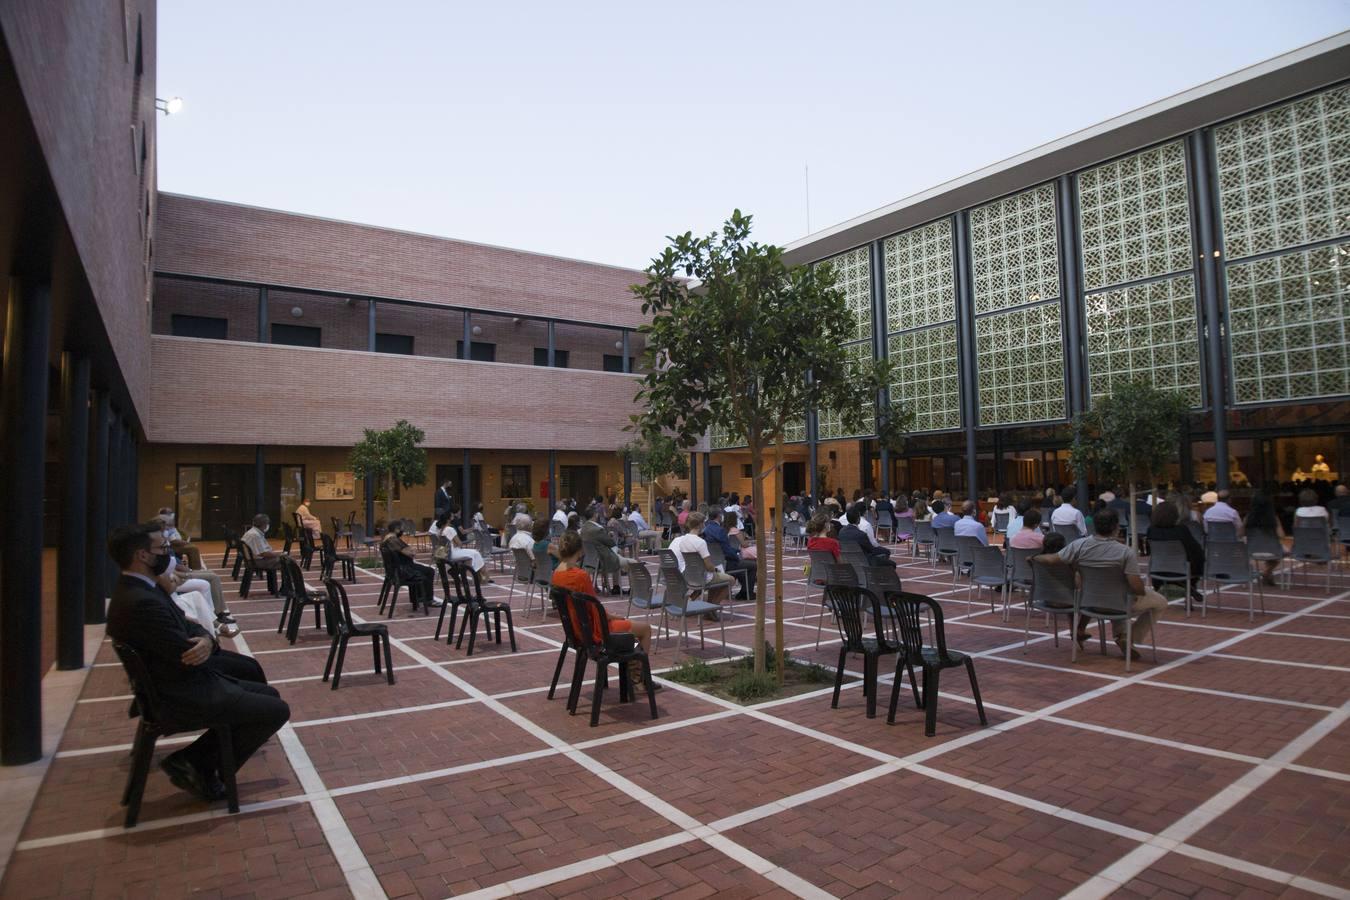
1223 768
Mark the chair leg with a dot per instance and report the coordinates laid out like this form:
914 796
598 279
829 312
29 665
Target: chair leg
557 671
578 676
651 686
839 678
975 689
914 685
375 649
342 656
285 608
1073 655
870 664
388 659
227 773
332 652
473 629
510 630
895 692
600 676
930 699
143 752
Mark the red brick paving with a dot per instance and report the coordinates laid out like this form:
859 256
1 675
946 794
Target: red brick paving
904 831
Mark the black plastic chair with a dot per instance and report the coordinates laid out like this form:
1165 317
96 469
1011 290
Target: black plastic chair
288 538
329 558
490 612
249 567
455 597
296 595
559 598
153 726
340 611
306 542
392 582
231 544
905 609
852 605
587 628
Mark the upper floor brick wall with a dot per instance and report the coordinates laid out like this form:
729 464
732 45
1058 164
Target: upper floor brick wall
226 240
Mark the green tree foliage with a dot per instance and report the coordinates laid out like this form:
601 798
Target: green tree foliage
1129 436
655 454
733 335
392 455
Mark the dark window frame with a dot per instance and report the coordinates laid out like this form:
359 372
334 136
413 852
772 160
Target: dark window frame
388 339
479 351
189 320
512 480
296 331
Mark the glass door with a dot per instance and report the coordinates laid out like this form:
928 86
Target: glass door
188 515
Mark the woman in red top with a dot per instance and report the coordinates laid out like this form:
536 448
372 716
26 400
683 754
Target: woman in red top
817 539
569 575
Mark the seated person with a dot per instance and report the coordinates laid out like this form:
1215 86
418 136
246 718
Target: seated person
1068 514
851 533
645 531
719 583
904 518
542 548
177 581
569 575
523 538
969 526
521 520
818 537
310 522
602 542
198 683
1165 526
179 542
714 532
941 517
1102 549
420 580
264 556
1263 517
458 547
1028 535
1004 508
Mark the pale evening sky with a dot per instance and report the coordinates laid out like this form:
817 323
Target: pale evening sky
592 130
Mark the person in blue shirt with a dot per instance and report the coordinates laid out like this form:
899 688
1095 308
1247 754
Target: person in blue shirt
969 526
715 533
942 518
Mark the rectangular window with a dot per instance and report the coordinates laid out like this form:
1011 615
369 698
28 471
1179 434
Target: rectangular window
296 335
559 357
746 471
515 481
478 351
200 326
394 343
614 363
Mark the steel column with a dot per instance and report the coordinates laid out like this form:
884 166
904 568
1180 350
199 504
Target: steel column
133 474
552 480
1202 193
965 310
370 325
627 366
707 478
370 504
466 482
71 557
693 479
259 477
23 410
1072 298
98 566
262 315
552 344
468 337
627 480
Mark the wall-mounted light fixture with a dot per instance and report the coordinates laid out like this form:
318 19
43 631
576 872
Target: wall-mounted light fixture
297 311
171 107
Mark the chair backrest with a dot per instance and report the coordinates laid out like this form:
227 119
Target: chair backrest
987 562
717 554
358 532
1197 530
842 574
351 519
1051 585
640 583
1070 532
591 622
142 686
1001 521
543 568
903 609
562 598
555 529
1262 543
1019 564
338 608
694 574
327 549
885 519
966 545
1342 522
1227 561
669 562
851 604
293 579
821 560
288 534
1168 558
882 580
793 529
1311 544
924 533
945 539
904 524
852 553
1310 521
1103 588
231 536
524 565
246 551
590 557
1221 531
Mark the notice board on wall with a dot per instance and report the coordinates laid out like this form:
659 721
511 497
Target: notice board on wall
334 486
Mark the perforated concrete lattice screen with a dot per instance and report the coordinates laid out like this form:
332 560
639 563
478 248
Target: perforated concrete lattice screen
723 439
1020 359
1015 250
1148 332
795 433
920 284
1286 325
854 277
1284 175
829 423
1135 217
926 376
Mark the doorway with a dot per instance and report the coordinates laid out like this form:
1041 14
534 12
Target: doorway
794 478
214 495
579 483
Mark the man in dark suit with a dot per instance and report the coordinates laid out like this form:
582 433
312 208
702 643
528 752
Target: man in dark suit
197 682
851 533
443 500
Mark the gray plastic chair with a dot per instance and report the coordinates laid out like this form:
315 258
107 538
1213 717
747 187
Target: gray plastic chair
641 593
1016 564
1227 562
987 571
966 545
1001 522
1264 545
676 600
925 540
853 554
1103 594
944 547
1220 532
1168 563
1312 544
1053 593
794 533
1070 532
820 561
523 575
885 522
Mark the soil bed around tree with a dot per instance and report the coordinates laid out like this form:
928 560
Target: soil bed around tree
735 680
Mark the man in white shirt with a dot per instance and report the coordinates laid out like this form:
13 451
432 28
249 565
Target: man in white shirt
522 540
1222 512
263 555
645 532
863 525
560 514
719 583
968 525
1068 514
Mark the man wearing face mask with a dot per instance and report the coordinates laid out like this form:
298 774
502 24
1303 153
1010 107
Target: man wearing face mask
197 681
266 557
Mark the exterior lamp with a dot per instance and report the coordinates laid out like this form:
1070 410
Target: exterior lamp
170 107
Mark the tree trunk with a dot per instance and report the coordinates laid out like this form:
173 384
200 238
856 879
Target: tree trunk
389 499
777 517
757 496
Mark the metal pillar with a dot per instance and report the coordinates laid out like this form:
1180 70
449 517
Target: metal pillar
116 514
552 478
707 478
133 475
259 477
71 558
627 480
693 479
262 315
370 325
97 564
552 344
965 311
812 456
468 337
23 409
627 364
1202 193
1072 297
370 503
465 482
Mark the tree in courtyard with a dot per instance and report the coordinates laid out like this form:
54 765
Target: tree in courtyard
741 342
655 454
1130 435
393 456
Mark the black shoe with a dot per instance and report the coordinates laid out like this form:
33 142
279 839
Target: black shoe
225 618
1198 598
738 598
614 590
185 777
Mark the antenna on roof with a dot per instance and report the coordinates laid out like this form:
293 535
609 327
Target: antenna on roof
808 198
